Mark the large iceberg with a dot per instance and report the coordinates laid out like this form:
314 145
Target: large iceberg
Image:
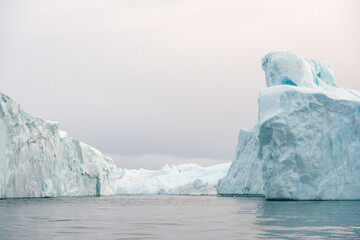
308 135
39 160
176 179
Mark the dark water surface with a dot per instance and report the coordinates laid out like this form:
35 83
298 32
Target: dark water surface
177 217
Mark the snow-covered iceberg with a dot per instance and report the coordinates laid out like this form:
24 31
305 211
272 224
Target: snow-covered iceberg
180 179
309 134
38 160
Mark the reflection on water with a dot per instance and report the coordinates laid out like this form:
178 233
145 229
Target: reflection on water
309 219
177 217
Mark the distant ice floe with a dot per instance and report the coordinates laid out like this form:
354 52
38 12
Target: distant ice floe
176 179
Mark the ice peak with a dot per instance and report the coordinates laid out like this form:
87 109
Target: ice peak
287 68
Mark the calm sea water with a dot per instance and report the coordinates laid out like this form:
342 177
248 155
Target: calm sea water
177 217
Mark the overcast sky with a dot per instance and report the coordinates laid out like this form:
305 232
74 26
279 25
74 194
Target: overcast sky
144 80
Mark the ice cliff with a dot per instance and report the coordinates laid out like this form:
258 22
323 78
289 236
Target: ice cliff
307 139
245 174
38 160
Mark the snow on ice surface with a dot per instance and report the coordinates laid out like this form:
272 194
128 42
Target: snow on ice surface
308 135
38 160
175 179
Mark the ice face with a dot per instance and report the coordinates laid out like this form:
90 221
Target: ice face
38 160
246 167
179 179
310 144
308 135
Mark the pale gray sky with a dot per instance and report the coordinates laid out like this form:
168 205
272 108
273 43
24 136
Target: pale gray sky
174 78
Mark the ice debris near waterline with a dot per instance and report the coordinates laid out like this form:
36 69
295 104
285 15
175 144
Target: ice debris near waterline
306 144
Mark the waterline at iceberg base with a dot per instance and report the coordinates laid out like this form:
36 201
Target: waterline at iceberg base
306 144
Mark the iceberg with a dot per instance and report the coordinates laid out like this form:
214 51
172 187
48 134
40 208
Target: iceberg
39 160
189 179
308 135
